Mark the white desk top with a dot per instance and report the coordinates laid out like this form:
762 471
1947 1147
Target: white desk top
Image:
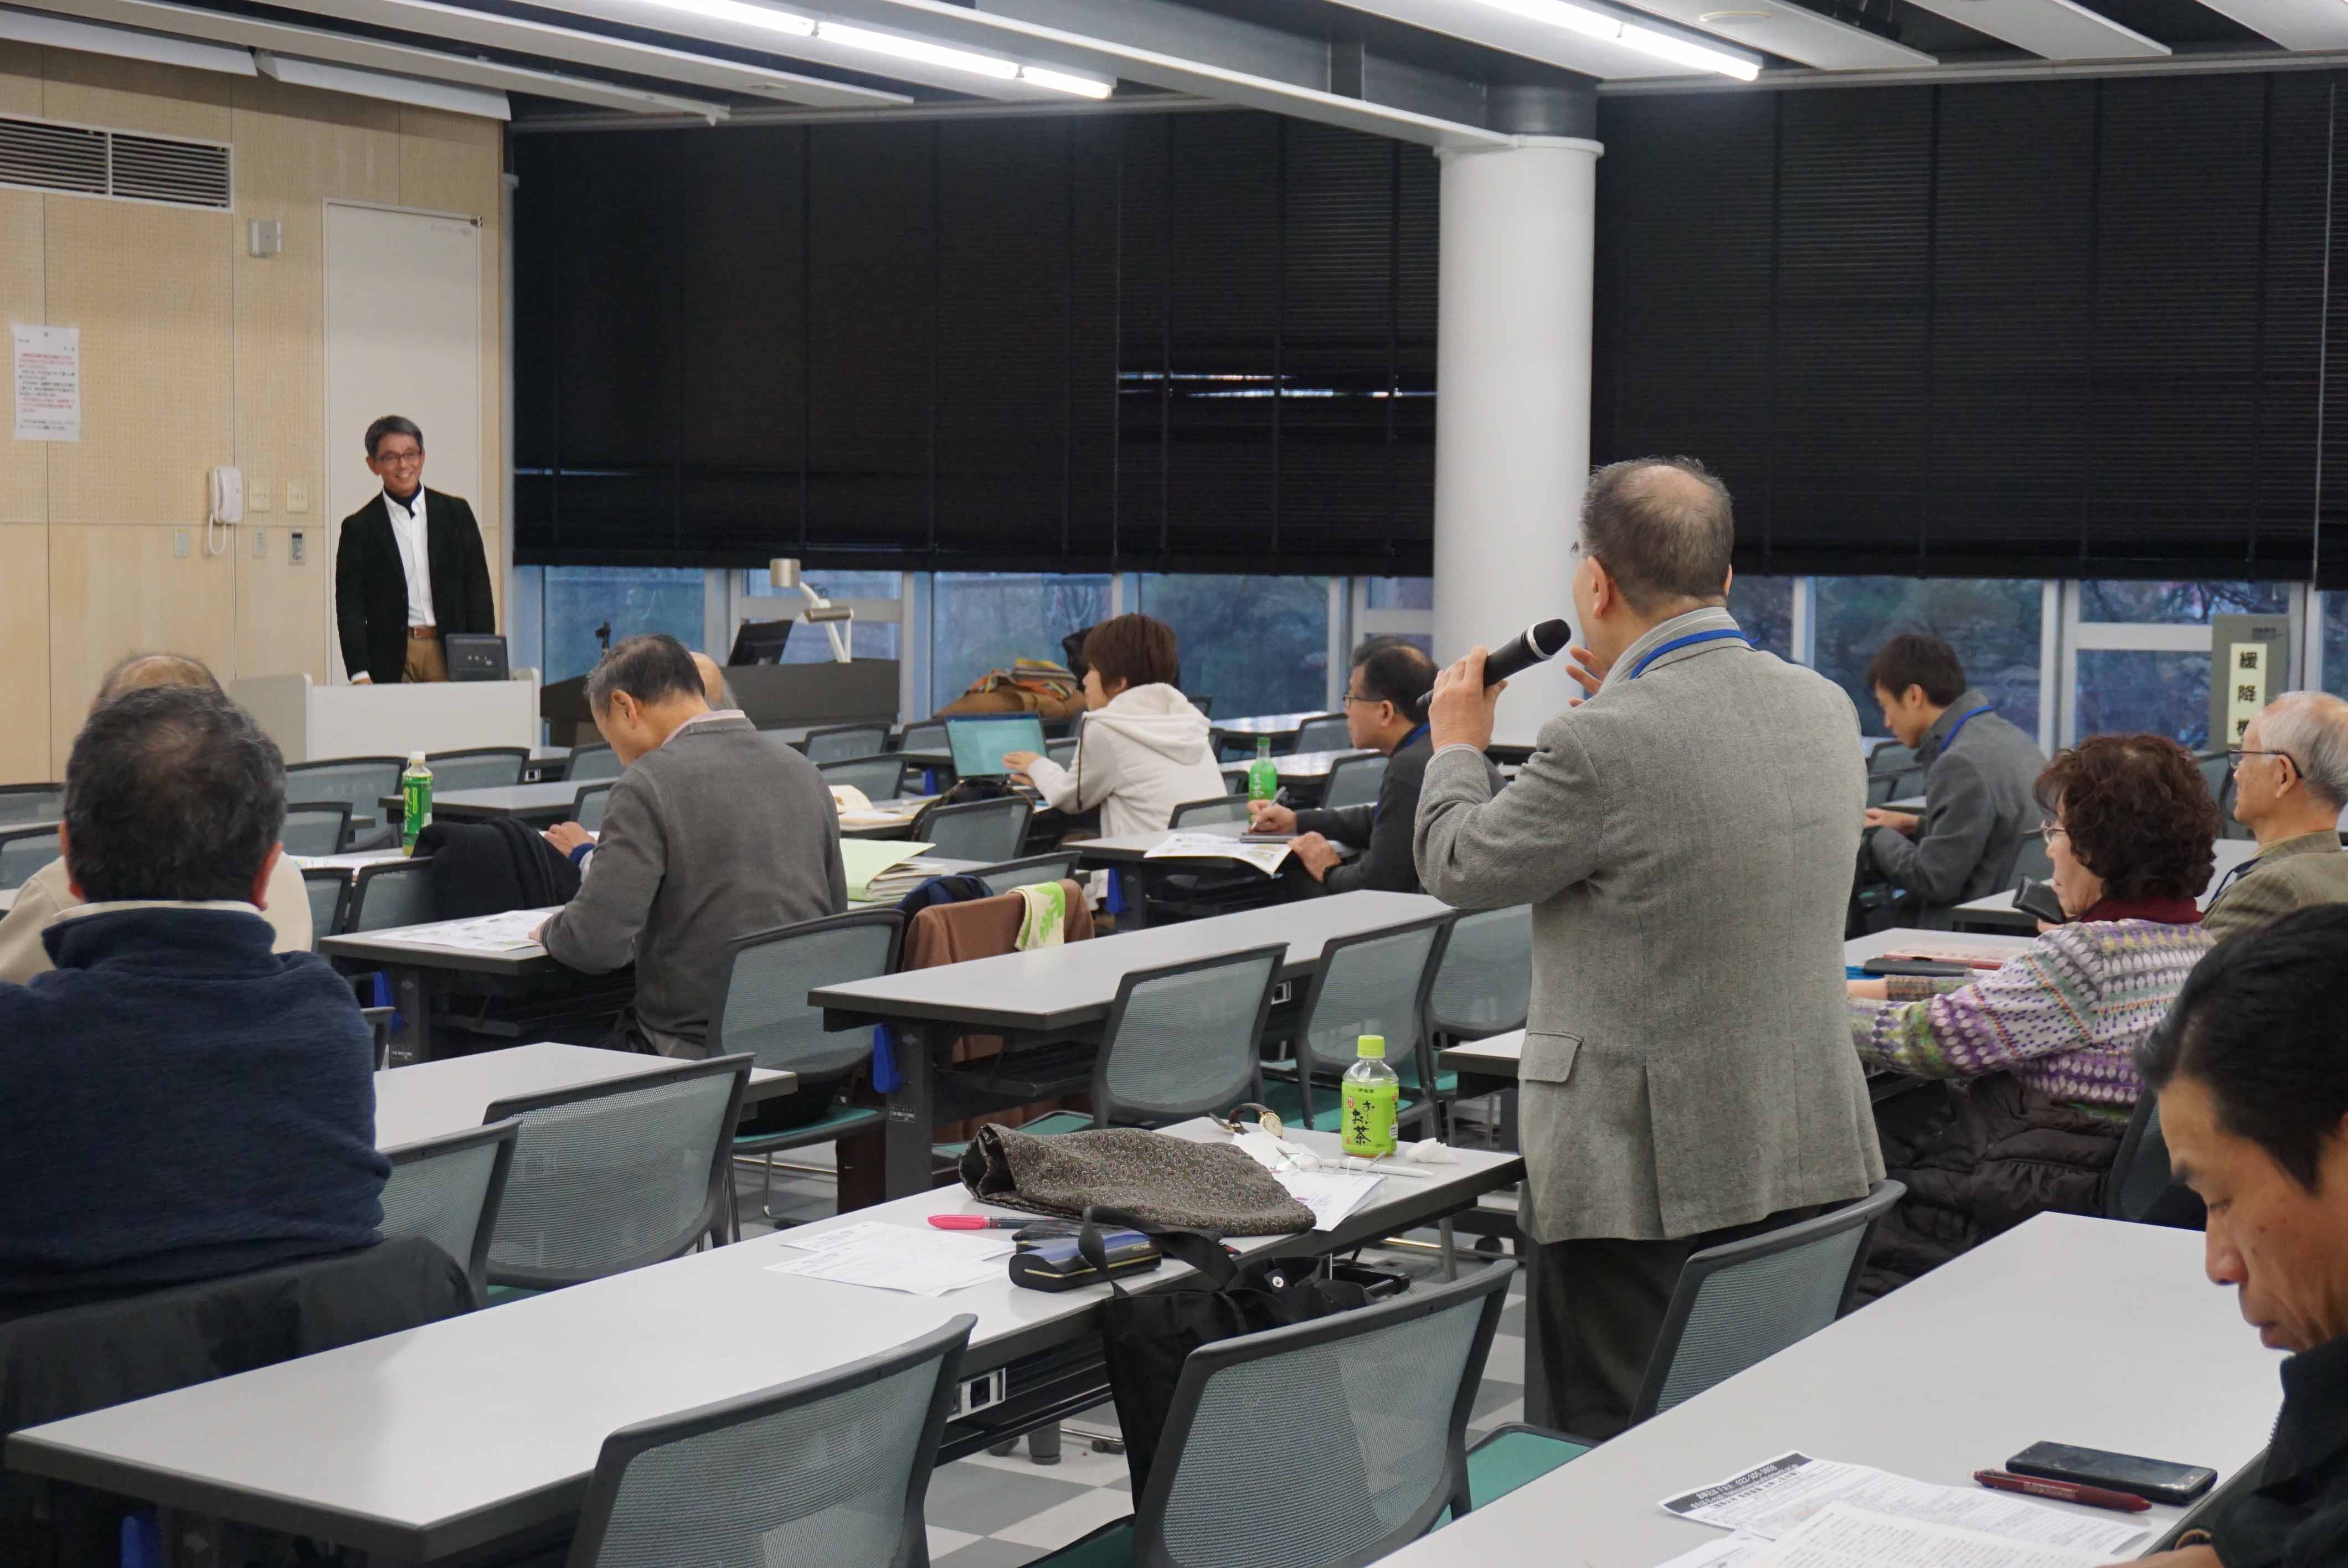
1265 724
1299 765
2231 853
421 1443
1495 1056
431 1099
1858 949
1912 802
2051 1332
510 799
1130 846
1061 988
8 900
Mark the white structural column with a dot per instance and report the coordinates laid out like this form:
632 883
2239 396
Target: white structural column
1512 405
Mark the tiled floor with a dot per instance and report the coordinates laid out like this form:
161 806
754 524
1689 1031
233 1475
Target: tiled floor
990 1512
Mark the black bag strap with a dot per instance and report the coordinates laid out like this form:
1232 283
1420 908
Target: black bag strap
1196 1248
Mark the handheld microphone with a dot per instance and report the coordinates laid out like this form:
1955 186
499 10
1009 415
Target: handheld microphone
1520 653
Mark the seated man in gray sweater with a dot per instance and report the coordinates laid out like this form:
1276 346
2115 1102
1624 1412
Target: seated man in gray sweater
711 833
1383 695
1981 782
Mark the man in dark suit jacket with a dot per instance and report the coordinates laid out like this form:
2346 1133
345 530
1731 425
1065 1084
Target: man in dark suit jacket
410 568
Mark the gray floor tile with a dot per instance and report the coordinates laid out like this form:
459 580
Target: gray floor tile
989 1554
985 1500
1512 1320
1490 1398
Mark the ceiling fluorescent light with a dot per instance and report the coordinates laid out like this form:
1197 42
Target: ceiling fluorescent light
921 49
364 84
735 11
1594 24
1061 82
93 38
1666 46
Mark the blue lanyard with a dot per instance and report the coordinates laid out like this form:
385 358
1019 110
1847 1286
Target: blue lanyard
1689 639
1962 720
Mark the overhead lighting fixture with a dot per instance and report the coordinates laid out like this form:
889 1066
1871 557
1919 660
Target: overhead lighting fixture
921 49
1061 82
1594 24
377 85
746 15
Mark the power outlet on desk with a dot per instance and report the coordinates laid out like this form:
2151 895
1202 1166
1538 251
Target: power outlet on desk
981 1393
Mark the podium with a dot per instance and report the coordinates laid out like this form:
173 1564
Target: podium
311 723
772 696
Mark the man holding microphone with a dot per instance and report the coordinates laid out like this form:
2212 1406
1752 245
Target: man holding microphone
1685 835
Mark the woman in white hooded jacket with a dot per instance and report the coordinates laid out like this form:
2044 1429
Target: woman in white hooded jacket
1142 750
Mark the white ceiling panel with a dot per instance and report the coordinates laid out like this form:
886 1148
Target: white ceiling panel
1788 30
2293 24
2052 29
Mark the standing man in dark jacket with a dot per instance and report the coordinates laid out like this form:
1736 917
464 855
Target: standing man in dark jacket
1383 697
1981 774
176 1101
410 568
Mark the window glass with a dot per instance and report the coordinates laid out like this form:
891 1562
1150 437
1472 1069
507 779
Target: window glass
633 600
982 620
2179 603
1991 622
1253 644
2124 691
2335 643
1763 607
1400 592
834 585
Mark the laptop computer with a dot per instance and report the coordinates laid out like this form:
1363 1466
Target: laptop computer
980 743
475 656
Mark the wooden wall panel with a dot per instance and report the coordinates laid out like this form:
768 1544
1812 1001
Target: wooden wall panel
281 608
148 287
134 95
24 653
117 589
24 267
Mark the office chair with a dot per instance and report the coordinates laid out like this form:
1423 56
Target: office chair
31 802
1354 781
1060 866
880 778
396 893
1199 813
329 891
1325 734
1373 983
317 828
1484 985
1184 1039
591 763
446 1190
25 850
475 767
929 738
2139 1187
365 782
587 807
842 742
986 831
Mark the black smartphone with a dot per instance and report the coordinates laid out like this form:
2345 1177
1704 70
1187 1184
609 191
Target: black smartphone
2157 1479
2039 900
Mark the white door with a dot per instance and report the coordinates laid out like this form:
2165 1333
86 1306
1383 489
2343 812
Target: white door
403 336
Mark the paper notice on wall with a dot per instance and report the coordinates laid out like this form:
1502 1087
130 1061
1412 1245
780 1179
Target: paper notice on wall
2246 681
48 383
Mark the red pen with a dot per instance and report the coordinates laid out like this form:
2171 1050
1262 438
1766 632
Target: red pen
976 1223
2062 1490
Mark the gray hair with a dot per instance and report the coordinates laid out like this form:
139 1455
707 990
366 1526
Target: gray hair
649 667
391 425
2312 726
1664 528
172 792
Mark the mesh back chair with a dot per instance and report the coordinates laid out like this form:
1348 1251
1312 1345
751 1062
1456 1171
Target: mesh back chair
1206 705
985 831
1485 984
1058 866
29 803
1326 1443
1354 781
1881 786
843 741
1063 752
329 887
476 767
1185 1039
2139 1187
589 763
2216 771
613 1176
929 738
831 1469
587 807
1891 757
1199 813
25 850
317 828
1377 983
365 782
764 1015
446 1191
880 778
1325 734
396 893
2031 859
1743 1302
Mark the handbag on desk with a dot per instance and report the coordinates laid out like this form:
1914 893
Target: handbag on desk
1161 1182
1146 1338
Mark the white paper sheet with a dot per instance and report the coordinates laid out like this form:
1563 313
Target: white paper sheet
506 933
1774 1498
1847 1537
897 1258
48 383
1264 857
1738 1551
1330 1194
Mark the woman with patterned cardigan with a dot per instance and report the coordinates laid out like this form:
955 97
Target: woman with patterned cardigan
2039 1052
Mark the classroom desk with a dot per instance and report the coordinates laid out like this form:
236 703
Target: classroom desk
1064 993
1874 945
541 803
546 765
431 1442
8 900
433 1099
1133 849
932 865
886 819
1996 912
1485 1066
419 970
1279 726
2120 1344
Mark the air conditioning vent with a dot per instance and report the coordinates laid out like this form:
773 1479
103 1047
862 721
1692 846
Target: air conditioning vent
41 155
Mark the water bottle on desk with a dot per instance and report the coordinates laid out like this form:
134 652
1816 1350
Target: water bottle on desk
1264 774
1371 1095
415 801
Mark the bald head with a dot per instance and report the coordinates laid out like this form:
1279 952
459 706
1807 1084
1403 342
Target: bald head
713 681
1664 528
2312 728
140 672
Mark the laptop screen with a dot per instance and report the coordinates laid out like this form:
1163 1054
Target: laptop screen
980 744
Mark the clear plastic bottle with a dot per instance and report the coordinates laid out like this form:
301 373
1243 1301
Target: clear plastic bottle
1372 1093
415 801
1264 774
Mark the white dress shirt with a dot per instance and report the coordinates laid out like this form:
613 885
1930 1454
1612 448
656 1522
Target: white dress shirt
408 527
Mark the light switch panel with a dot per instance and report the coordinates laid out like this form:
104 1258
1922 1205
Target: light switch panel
256 496
294 553
260 543
180 544
297 496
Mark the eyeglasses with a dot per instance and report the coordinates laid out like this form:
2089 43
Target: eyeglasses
2234 755
399 459
1351 701
2051 828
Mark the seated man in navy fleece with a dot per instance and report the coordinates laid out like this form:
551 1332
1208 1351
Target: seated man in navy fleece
177 1100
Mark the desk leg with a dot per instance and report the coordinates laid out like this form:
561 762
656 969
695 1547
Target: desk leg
414 999
913 1114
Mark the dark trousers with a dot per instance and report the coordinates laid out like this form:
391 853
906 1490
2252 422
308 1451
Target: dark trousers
1594 1309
